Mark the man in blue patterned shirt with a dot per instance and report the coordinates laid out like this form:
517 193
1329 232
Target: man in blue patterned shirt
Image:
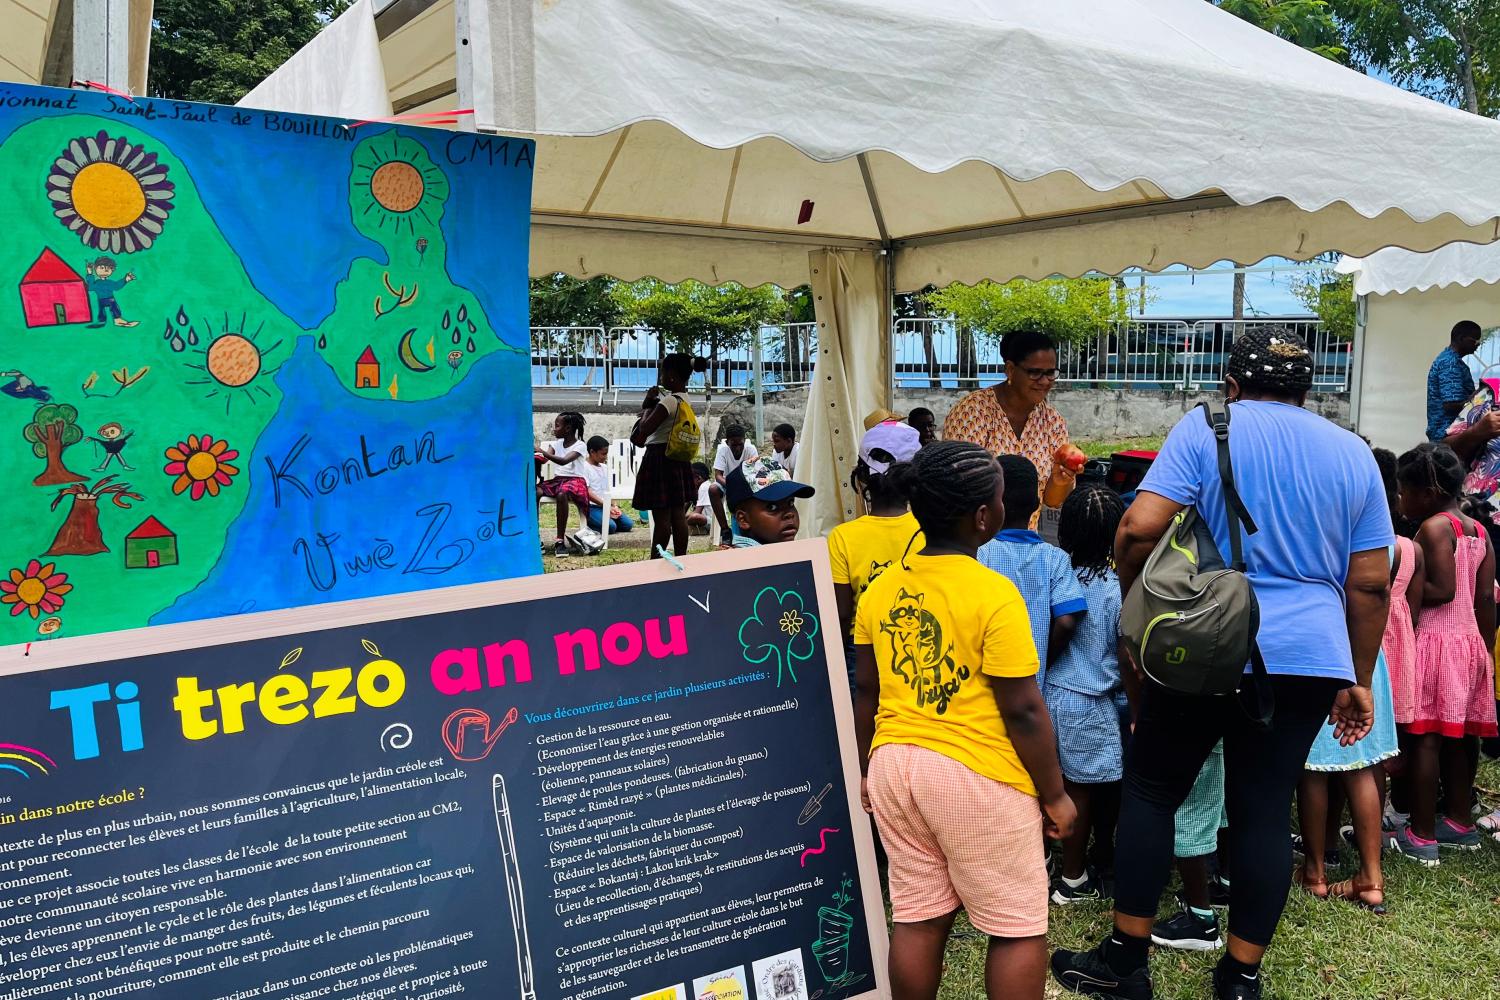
1450 384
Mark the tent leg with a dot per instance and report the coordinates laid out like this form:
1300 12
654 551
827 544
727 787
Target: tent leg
101 42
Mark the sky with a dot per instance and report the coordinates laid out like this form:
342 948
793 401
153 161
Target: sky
1209 293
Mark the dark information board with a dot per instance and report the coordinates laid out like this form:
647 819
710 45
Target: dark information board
634 782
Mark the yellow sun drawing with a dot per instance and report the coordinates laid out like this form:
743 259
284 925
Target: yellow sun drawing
112 193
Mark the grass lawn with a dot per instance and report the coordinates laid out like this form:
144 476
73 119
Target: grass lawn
1440 940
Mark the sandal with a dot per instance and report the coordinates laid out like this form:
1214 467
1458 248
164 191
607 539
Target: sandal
1314 887
1352 891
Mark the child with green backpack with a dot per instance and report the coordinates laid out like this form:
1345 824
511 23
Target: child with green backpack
668 430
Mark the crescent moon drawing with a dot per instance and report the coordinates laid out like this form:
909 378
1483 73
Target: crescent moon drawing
408 356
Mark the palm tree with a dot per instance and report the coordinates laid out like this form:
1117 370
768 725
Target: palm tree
79 534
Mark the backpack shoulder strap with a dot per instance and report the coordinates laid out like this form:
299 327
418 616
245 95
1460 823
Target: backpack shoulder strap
1217 415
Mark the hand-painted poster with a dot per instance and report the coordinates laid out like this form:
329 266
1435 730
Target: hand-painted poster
253 360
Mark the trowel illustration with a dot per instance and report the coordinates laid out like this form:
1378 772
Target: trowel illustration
468 735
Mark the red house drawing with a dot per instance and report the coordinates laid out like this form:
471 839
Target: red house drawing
52 293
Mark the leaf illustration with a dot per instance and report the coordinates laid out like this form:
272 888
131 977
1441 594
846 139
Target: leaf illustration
88 383
370 647
132 380
290 658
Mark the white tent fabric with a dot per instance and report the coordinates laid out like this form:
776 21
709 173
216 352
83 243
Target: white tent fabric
949 140
1398 270
848 288
975 138
339 73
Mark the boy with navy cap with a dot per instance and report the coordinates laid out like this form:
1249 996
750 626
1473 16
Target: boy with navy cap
763 498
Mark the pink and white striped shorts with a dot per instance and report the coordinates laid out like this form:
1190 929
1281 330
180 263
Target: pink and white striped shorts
956 838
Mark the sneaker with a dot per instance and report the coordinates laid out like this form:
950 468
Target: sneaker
1233 986
1089 892
1424 854
1489 821
1392 821
560 547
1331 858
1087 973
1218 891
1450 836
1188 932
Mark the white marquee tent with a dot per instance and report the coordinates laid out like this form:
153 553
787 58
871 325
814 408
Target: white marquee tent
1408 303
871 145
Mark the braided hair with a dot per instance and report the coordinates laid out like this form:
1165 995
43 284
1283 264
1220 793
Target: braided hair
1272 360
946 481
572 421
1431 466
1086 530
881 489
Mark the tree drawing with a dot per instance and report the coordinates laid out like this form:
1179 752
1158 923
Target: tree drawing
54 427
79 534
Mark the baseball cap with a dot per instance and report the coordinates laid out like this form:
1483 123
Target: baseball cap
766 481
885 444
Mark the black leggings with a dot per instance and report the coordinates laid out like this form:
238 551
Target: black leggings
1172 739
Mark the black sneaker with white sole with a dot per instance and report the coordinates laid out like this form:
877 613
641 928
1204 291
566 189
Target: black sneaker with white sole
1086 973
1187 931
1234 986
1089 892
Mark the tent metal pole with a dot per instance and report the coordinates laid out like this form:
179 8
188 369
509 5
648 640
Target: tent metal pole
101 42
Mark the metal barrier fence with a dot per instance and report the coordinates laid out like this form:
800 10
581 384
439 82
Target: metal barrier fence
928 353
1146 354
626 358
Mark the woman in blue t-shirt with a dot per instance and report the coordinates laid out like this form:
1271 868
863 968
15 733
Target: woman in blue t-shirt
1319 570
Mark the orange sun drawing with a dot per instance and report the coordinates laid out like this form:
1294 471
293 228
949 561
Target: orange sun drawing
202 464
35 589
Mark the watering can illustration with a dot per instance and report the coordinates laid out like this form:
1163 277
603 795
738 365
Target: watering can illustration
468 735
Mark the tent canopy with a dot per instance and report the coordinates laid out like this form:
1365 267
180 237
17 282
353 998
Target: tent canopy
873 146
971 138
1394 270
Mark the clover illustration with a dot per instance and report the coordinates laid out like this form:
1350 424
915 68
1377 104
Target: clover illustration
780 626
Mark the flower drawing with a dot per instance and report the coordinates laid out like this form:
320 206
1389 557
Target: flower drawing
35 589
110 192
201 465
779 626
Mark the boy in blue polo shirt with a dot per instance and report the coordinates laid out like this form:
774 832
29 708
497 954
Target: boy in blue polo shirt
1042 573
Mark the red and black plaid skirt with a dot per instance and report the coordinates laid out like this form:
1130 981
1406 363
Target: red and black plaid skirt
662 484
570 489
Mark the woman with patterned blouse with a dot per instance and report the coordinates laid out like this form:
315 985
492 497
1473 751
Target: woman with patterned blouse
1014 417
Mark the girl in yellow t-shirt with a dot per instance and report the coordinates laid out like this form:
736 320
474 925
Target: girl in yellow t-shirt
862 549
960 759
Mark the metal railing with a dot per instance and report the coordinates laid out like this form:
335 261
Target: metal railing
1145 354
626 358
928 353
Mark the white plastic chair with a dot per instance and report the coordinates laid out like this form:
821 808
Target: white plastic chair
624 462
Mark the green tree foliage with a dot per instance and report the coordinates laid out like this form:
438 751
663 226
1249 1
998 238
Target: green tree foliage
1331 297
217 50
1448 50
694 318
1308 23
562 300
1070 310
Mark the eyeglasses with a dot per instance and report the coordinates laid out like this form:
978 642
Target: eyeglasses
1040 374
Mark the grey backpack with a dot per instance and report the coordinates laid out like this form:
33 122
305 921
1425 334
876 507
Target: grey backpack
1191 619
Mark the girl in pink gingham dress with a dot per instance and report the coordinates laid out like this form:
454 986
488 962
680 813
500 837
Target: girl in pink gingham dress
1454 680
1400 641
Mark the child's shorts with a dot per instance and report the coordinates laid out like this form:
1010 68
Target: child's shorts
1088 735
956 838
1202 812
